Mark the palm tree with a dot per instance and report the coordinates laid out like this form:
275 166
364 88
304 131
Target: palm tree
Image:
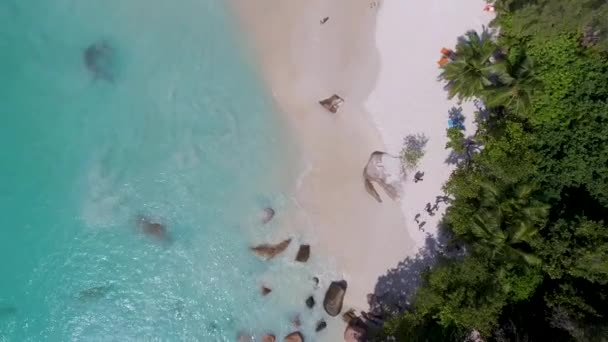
474 67
506 222
517 92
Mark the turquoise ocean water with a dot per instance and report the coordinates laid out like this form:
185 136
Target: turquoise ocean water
184 134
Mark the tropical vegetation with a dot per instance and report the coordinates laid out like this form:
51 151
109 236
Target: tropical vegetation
529 203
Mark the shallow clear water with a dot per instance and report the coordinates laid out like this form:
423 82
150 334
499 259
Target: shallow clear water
183 134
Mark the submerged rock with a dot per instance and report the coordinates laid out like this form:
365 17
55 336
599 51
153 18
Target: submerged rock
294 337
245 337
6 310
94 293
267 215
332 103
269 338
265 290
98 59
151 228
377 170
269 251
321 324
303 253
334 297
296 321
310 302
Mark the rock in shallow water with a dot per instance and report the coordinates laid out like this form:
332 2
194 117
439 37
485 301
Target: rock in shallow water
269 251
321 324
265 290
245 337
334 297
294 337
303 253
152 228
98 58
95 293
310 302
267 215
269 338
296 321
7 310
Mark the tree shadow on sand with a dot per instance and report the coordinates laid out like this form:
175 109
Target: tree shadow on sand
470 148
456 118
394 290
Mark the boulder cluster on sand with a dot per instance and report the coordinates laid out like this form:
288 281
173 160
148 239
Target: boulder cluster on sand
368 323
356 329
334 297
376 171
354 333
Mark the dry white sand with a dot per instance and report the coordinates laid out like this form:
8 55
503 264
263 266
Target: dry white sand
408 99
381 58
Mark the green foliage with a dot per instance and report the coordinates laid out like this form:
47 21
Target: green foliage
413 150
571 116
473 68
479 68
577 248
531 205
504 223
459 296
544 19
516 94
456 140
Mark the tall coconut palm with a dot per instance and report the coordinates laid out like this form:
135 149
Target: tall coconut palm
506 222
517 92
474 67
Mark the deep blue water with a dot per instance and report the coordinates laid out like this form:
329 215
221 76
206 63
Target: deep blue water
183 134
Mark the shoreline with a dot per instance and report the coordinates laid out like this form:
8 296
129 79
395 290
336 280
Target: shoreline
364 53
302 63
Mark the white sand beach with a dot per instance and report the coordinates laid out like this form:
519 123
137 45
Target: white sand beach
408 98
381 57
